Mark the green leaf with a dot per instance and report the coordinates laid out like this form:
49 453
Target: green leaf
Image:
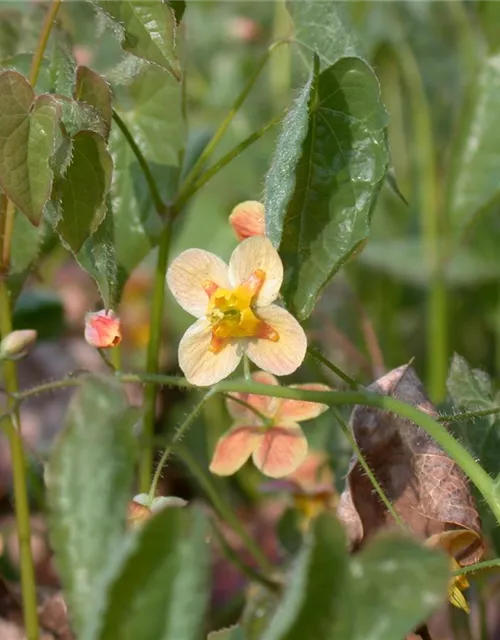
27 143
21 62
323 28
79 195
395 584
319 194
148 30
25 249
92 89
98 258
79 116
89 481
63 66
312 600
159 590
473 183
472 390
326 585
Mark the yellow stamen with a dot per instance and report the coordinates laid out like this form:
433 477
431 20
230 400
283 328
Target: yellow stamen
231 315
456 585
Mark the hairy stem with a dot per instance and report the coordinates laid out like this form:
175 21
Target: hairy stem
314 353
180 432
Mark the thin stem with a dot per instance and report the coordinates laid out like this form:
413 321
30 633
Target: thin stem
246 368
153 189
479 566
366 467
42 41
224 510
195 186
314 353
180 432
28 584
455 450
468 415
7 236
153 355
223 127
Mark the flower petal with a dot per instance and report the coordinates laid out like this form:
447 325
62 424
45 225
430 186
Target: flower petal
264 404
187 274
248 219
299 410
287 354
201 366
233 449
281 450
257 253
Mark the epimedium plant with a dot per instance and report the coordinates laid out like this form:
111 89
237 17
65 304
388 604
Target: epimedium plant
77 169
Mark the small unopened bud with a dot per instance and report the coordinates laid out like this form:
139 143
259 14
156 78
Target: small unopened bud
103 329
247 219
142 508
16 345
137 513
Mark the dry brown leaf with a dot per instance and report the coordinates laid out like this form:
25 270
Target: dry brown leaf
425 486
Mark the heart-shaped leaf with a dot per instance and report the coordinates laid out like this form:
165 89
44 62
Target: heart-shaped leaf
92 89
320 192
27 143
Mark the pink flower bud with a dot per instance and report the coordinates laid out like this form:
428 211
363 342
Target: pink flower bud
17 344
102 329
247 219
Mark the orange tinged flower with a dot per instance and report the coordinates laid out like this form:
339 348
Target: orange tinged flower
271 434
233 304
247 219
103 329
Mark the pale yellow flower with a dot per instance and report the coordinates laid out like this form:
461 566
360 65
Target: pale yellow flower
235 313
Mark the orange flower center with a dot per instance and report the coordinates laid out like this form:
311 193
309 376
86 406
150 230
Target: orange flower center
231 315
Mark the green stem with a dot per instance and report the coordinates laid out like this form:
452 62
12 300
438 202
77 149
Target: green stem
153 189
424 153
195 186
21 503
479 566
435 430
179 434
468 415
267 421
224 510
366 467
194 173
153 355
314 353
50 16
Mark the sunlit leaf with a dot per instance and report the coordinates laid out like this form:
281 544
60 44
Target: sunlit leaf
148 30
89 481
79 195
320 193
158 590
323 28
27 143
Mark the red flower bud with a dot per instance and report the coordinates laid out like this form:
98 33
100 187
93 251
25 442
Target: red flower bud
247 219
102 329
